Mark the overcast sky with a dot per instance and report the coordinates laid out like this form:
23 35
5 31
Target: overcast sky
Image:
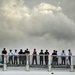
40 24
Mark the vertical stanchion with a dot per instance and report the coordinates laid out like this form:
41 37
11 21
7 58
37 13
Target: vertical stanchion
27 63
49 64
4 65
17 60
71 64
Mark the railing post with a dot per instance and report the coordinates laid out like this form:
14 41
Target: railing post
49 64
71 66
27 63
4 64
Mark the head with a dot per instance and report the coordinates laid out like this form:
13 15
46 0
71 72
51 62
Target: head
20 50
27 49
54 51
63 51
4 48
46 50
10 50
34 49
69 50
15 50
41 50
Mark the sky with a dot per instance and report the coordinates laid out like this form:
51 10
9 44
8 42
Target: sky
40 24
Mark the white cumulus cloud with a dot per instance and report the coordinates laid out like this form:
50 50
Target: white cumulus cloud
42 25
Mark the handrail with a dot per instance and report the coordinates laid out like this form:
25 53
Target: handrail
34 55
27 60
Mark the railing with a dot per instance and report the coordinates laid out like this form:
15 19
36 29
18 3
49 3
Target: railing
40 61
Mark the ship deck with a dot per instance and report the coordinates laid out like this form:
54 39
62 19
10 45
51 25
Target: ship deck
37 72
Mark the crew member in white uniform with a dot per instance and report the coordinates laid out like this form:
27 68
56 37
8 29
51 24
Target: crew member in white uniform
10 54
63 57
69 56
15 57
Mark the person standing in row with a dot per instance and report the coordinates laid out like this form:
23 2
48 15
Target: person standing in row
54 57
10 57
25 56
46 57
69 56
34 57
3 52
21 61
15 57
41 57
63 57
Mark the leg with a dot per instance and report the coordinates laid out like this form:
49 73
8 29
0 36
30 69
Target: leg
9 59
33 60
64 60
16 60
19 60
12 59
36 60
45 61
40 60
2 59
57 61
69 60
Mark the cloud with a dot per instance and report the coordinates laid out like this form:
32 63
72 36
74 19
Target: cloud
42 24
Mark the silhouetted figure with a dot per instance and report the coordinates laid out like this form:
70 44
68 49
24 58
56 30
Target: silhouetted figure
10 57
3 53
25 56
25 59
21 57
41 57
46 57
54 57
15 57
27 51
63 57
69 56
34 57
